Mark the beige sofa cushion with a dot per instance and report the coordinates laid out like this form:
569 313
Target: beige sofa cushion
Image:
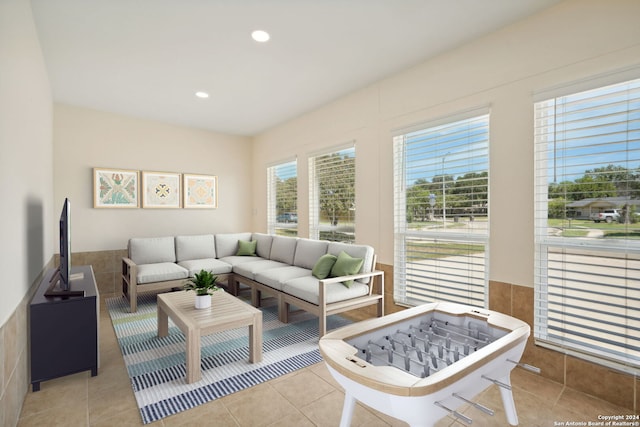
308 252
264 244
283 249
215 266
150 250
160 272
195 247
227 244
249 269
306 288
276 277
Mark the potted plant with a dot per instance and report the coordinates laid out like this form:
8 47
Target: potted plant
204 284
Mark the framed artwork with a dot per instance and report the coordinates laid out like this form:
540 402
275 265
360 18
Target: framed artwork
200 191
115 188
160 190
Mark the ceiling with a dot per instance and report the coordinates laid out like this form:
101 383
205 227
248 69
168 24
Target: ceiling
147 58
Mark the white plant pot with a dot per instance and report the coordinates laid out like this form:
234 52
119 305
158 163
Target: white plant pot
203 301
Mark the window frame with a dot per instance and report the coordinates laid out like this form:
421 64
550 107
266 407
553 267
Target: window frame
446 275
558 322
285 166
316 228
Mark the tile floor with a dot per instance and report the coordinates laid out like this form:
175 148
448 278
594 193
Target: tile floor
309 397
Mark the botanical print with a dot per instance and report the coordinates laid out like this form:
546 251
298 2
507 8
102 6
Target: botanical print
160 190
115 188
200 191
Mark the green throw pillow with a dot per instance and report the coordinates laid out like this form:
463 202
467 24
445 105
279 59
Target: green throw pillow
246 248
346 265
323 266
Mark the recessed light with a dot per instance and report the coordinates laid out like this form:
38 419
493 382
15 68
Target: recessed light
260 36
202 95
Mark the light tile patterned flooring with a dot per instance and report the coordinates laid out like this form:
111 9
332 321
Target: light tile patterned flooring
309 397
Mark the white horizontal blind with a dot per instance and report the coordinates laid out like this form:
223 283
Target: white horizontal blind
441 222
332 202
282 199
588 273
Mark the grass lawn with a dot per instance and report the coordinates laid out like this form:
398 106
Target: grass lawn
581 227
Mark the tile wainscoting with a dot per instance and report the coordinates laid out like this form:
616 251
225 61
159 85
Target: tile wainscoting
14 339
14 358
607 384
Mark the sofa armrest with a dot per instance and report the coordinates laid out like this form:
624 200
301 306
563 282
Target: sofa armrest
129 270
371 275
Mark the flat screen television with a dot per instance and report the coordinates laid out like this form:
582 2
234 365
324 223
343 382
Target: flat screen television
60 283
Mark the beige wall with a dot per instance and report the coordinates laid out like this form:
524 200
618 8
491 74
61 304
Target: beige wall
26 167
84 139
26 191
574 40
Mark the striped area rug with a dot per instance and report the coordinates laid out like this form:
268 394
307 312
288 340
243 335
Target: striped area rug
157 368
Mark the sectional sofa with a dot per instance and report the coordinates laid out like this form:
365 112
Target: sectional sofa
317 276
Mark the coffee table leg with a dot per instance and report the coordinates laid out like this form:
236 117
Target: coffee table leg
163 323
193 356
255 339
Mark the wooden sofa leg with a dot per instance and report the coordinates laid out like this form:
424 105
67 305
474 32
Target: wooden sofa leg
232 285
322 325
129 292
256 296
132 295
133 301
283 310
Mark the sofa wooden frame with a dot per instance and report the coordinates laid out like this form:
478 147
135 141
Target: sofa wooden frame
131 289
322 309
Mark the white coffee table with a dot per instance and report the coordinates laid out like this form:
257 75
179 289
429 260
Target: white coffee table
226 312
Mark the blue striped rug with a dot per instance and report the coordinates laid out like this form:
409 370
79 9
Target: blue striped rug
157 368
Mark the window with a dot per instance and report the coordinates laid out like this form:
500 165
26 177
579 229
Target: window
441 173
282 199
587 228
332 195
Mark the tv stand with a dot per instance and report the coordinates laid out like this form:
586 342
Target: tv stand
64 328
56 279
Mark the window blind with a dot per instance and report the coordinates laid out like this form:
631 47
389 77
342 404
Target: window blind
587 267
332 203
441 174
282 199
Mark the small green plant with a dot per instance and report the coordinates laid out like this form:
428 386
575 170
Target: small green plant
204 283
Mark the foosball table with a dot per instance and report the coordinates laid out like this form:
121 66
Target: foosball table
423 363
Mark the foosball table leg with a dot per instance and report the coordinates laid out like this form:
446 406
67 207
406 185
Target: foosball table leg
347 410
508 403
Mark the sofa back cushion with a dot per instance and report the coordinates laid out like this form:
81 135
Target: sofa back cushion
356 251
227 243
264 244
308 252
151 250
283 249
195 247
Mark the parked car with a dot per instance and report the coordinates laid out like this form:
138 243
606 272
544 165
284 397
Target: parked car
607 215
287 217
